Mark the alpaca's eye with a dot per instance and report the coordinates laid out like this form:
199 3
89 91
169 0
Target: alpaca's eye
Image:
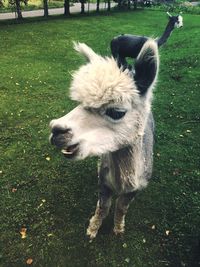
115 113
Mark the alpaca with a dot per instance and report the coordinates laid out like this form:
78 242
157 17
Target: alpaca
112 121
127 45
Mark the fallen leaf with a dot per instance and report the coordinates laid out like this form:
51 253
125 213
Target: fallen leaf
14 190
49 235
29 261
23 232
41 204
167 232
124 245
127 260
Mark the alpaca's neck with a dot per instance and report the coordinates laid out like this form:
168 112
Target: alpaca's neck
130 166
168 30
125 164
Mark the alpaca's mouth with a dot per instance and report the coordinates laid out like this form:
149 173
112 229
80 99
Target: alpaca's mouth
70 151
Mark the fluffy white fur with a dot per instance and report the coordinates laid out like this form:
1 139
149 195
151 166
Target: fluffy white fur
100 81
180 22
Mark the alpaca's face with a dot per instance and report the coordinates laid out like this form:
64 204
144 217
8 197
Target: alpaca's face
87 131
176 21
113 104
179 22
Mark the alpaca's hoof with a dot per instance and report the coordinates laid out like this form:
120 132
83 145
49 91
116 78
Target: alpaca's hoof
119 230
94 225
91 233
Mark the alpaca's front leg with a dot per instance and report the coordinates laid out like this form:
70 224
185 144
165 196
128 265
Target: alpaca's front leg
121 207
102 210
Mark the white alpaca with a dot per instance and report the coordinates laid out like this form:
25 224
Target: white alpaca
113 121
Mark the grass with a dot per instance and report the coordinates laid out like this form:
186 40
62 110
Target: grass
53 198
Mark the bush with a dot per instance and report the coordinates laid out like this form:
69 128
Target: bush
177 7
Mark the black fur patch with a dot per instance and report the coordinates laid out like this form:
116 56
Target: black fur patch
145 71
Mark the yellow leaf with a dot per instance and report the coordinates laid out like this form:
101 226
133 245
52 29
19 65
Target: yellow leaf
50 235
29 261
23 232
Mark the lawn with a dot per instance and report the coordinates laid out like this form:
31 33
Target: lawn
46 201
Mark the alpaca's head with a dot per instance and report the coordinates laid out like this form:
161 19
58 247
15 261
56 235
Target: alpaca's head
113 104
176 21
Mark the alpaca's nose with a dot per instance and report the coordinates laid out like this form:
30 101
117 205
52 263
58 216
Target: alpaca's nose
56 130
60 135
60 138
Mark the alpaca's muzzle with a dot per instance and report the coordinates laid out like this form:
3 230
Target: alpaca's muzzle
62 138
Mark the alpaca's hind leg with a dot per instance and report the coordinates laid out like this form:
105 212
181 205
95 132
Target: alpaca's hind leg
102 210
121 207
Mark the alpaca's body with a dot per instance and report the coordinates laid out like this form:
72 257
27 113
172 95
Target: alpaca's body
113 121
128 46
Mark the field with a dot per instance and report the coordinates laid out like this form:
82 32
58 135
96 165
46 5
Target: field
46 201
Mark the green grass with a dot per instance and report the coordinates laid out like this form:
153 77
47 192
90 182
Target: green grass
54 198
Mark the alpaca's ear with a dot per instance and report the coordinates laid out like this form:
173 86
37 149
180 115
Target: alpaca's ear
146 66
169 15
85 50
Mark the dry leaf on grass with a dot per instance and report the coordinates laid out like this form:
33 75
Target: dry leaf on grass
29 261
23 232
167 232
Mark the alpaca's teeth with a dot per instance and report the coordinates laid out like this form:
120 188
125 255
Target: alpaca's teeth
66 152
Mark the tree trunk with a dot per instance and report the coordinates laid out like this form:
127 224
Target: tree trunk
108 9
135 4
119 4
18 9
66 8
129 4
46 12
82 7
98 2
